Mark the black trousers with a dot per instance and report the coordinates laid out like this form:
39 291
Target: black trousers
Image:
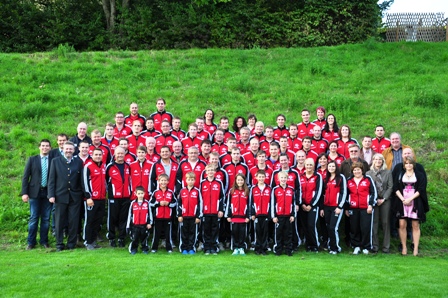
332 221
210 229
361 224
309 220
188 234
283 235
67 213
261 226
117 218
139 235
239 234
165 226
93 219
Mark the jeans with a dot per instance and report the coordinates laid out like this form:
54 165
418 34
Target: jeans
40 208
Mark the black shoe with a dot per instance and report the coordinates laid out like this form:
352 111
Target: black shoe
112 243
30 247
289 254
257 252
263 253
120 243
59 249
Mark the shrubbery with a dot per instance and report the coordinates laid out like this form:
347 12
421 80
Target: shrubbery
41 25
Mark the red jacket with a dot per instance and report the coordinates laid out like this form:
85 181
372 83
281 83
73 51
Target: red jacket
361 195
305 129
244 148
165 140
190 142
343 147
189 203
330 135
180 134
283 202
119 187
295 144
140 176
237 205
124 132
232 169
159 117
220 175
154 157
319 146
112 144
163 212
379 145
134 142
311 189
335 194
250 159
220 148
184 168
210 128
158 169
139 214
94 180
150 133
260 200
129 119
106 152
280 132
253 171
212 193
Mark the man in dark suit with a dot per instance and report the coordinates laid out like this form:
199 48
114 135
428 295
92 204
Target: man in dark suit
65 191
34 192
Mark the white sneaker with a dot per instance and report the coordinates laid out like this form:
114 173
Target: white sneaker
365 251
356 250
242 252
332 252
235 252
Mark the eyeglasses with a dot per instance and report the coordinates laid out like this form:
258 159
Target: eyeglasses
353 151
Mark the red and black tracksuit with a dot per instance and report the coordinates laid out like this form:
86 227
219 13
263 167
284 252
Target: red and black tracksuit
191 142
238 209
305 129
135 142
184 167
140 173
129 119
107 155
112 144
361 195
250 159
311 195
165 140
253 171
159 117
158 169
139 217
220 148
123 133
94 183
162 216
153 157
335 196
343 147
189 207
150 133
212 193
232 169
118 178
283 207
260 199
319 146
179 134
280 132
379 145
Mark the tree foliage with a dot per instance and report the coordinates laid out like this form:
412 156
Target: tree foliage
39 25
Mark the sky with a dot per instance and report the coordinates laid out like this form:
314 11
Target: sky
419 6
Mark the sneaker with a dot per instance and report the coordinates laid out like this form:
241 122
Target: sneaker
235 252
133 252
365 251
90 247
200 246
242 252
213 252
221 246
356 250
185 252
289 254
170 251
153 251
191 252
332 252
145 252
112 243
207 252
120 243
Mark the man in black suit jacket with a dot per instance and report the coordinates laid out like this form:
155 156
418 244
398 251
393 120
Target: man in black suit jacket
65 191
34 192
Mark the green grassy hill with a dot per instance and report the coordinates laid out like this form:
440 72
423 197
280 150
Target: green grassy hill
403 86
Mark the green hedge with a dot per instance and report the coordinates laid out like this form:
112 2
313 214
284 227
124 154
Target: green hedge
34 25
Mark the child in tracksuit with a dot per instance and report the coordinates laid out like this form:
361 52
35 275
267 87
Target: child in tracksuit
238 213
163 203
260 199
139 222
212 193
283 211
189 214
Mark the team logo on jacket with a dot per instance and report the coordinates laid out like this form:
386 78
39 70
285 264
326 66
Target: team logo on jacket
288 192
215 187
95 193
364 183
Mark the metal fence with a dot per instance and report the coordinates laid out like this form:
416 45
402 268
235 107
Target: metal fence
431 27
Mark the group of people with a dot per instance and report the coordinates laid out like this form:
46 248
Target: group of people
272 188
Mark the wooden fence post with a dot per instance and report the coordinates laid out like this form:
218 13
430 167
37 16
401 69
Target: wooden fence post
396 33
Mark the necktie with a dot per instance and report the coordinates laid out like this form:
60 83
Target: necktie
44 171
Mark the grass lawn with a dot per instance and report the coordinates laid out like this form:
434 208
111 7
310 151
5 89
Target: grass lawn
110 272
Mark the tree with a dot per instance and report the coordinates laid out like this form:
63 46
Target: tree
110 12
